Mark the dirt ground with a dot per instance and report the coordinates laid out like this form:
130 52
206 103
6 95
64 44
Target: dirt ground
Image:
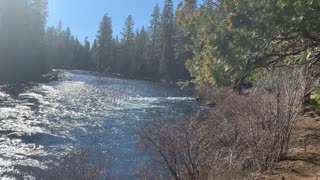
303 161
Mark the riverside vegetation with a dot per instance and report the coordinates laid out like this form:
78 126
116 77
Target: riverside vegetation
258 61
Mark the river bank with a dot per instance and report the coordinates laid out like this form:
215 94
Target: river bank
303 159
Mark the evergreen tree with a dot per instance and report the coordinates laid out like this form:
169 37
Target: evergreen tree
77 53
141 52
50 45
184 44
183 52
104 41
233 40
153 65
116 55
128 46
166 39
22 23
86 56
68 46
128 34
93 53
59 45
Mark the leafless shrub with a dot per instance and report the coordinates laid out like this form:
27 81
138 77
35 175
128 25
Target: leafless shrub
213 95
146 170
288 90
89 164
243 134
179 148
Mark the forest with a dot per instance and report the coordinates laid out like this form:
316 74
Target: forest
254 64
226 51
155 52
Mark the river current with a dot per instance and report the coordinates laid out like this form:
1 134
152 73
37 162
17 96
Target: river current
44 122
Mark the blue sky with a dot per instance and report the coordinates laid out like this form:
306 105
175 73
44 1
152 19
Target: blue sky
83 16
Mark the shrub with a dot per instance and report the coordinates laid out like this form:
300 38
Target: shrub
87 164
242 134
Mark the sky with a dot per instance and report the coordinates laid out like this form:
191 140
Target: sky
83 16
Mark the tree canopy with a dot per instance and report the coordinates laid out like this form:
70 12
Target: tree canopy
28 48
22 29
234 39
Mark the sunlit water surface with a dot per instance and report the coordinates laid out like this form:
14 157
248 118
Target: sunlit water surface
47 121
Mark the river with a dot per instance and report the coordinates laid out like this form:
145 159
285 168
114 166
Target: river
44 122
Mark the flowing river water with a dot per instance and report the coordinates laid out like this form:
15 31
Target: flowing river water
46 121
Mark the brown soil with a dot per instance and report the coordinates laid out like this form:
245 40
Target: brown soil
303 161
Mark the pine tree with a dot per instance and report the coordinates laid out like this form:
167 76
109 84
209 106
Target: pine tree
93 53
59 45
68 45
22 23
128 46
116 55
166 39
104 40
141 52
128 34
77 55
233 40
184 44
86 57
153 65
